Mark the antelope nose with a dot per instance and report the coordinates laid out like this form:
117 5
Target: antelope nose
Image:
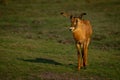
71 28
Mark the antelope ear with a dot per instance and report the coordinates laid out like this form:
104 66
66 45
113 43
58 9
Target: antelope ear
71 16
66 15
81 15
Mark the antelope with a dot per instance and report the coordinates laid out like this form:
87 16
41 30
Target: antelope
82 31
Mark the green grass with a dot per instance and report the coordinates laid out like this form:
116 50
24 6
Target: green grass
35 43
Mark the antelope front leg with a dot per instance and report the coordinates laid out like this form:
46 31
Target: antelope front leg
85 53
85 57
78 54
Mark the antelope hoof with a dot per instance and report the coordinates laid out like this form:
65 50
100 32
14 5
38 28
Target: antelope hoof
78 68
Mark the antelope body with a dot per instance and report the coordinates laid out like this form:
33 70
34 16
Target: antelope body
82 31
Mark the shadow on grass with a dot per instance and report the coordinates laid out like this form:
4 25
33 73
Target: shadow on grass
42 60
49 61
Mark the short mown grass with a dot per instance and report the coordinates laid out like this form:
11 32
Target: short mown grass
35 43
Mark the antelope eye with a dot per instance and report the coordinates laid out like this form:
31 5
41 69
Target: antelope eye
76 21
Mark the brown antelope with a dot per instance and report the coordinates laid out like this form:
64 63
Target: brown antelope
82 31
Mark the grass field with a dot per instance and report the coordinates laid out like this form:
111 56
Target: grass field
35 43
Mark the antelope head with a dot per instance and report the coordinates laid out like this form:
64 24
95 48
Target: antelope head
74 20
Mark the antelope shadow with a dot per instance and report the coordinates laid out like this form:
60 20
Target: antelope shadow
48 61
42 60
